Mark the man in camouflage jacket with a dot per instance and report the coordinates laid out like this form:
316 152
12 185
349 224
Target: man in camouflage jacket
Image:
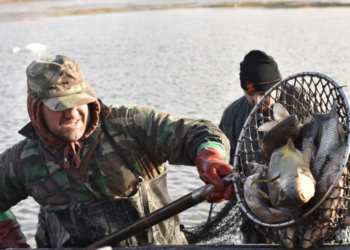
94 168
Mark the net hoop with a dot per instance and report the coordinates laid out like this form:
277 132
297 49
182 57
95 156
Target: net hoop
320 91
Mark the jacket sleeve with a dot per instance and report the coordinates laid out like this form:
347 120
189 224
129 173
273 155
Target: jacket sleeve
12 188
176 140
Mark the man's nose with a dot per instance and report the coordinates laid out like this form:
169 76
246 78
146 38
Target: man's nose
72 112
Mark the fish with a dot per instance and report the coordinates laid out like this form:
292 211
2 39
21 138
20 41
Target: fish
287 235
293 183
332 137
284 126
254 168
279 113
322 227
262 207
259 204
329 171
346 221
327 164
313 234
304 159
308 135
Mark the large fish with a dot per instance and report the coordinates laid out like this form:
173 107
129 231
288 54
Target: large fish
308 135
332 138
292 183
286 236
282 128
331 147
321 227
258 203
329 171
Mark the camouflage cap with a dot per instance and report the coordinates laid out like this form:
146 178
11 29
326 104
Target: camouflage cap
59 83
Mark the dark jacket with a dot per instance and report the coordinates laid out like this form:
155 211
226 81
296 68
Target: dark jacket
232 121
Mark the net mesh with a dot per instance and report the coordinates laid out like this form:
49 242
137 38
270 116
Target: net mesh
325 222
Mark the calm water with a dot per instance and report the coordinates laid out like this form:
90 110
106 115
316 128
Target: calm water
181 61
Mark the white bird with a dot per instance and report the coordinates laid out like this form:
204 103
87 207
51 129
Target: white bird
33 47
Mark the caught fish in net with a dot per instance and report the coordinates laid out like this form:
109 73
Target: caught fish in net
293 161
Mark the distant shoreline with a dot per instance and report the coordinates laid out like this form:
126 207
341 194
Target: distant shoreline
12 1
196 4
76 8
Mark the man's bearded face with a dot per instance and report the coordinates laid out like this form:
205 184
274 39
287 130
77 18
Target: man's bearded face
69 124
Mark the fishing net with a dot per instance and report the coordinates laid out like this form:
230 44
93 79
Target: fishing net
323 221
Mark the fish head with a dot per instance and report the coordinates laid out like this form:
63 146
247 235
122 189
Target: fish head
292 183
294 192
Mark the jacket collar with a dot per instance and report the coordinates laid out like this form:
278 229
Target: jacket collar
29 132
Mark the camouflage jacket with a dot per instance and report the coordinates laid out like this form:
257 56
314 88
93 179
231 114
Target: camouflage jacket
146 140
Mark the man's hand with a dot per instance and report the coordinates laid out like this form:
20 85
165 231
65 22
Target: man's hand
211 168
11 235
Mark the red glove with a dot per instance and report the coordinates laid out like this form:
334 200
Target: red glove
211 168
11 235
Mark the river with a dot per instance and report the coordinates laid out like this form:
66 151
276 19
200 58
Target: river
181 59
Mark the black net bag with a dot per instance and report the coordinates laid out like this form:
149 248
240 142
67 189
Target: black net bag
321 220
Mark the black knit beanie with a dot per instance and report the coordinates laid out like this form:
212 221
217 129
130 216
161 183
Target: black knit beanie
259 72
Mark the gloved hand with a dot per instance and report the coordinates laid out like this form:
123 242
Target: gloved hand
11 235
211 168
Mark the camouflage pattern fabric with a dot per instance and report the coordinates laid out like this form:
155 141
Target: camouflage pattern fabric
59 83
145 137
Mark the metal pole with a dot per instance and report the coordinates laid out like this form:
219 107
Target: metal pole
195 197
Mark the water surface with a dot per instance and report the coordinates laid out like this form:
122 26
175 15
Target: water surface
182 61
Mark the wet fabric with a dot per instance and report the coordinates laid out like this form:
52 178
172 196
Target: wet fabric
50 233
100 219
